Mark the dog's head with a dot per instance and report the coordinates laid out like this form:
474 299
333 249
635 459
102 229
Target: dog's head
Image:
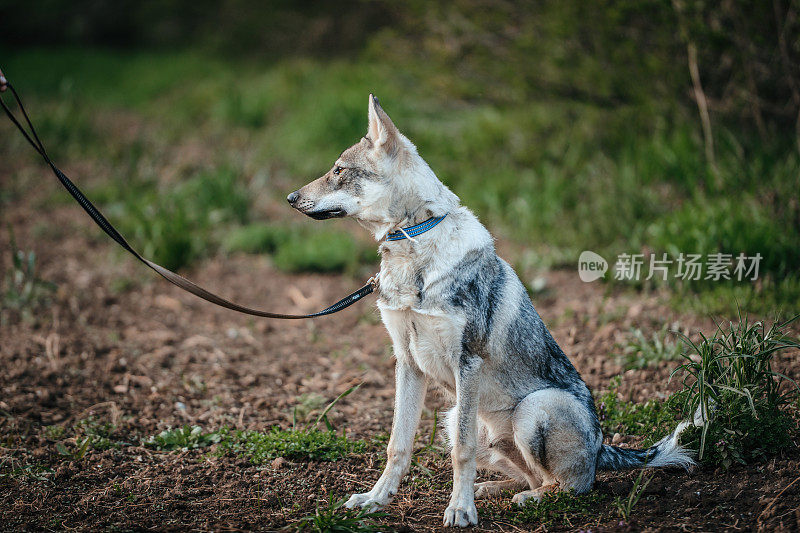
380 181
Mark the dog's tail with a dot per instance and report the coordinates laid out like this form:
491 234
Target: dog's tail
666 452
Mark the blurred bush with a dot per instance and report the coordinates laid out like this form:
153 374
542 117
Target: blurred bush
299 249
176 226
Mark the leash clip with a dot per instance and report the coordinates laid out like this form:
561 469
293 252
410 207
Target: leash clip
374 281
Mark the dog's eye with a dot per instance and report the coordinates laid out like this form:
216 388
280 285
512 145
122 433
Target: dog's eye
337 170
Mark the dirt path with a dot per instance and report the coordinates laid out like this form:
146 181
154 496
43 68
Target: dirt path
126 348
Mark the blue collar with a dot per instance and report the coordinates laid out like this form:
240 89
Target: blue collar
413 231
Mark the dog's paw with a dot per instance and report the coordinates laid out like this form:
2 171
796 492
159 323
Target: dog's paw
487 489
461 515
521 498
366 501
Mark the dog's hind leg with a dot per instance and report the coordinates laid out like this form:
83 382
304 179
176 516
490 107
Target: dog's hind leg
556 435
407 410
497 453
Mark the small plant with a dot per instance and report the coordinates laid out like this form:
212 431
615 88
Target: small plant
23 290
641 351
323 416
736 397
98 434
78 452
185 438
89 434
54 432
307 405
301 443
310 404
333 519
625 505
22 470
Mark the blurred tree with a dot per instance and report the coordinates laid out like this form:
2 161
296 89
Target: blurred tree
745 55
266 28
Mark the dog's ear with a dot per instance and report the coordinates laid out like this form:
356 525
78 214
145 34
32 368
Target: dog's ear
382 132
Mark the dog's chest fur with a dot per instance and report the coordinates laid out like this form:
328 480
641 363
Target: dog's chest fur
410 314
416 284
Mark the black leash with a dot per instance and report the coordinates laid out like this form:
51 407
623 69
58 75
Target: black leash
105 225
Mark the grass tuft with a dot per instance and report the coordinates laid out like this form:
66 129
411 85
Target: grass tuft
743 409
625 505
184 438
732 389
334 519
23 291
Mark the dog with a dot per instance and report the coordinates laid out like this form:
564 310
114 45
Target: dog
458 316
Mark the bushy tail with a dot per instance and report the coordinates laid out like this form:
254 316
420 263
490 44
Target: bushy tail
666 452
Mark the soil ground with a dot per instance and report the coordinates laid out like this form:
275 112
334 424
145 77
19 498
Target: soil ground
145 356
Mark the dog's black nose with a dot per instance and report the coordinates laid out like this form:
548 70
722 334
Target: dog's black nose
292 198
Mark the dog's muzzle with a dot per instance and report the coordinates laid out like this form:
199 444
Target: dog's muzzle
304 205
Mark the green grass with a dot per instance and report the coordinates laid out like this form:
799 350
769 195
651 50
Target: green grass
296 445
323 251
299 444
174 227
556 508
302 444
86 435
554 175
625 505
9 468
99 434
641 351
653 419
303 249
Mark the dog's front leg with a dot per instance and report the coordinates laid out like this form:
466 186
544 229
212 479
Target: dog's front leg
461 511
410 385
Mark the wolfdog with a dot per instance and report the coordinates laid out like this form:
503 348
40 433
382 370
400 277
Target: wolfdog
459 316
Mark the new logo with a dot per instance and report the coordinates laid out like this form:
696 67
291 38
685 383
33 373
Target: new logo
591 266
